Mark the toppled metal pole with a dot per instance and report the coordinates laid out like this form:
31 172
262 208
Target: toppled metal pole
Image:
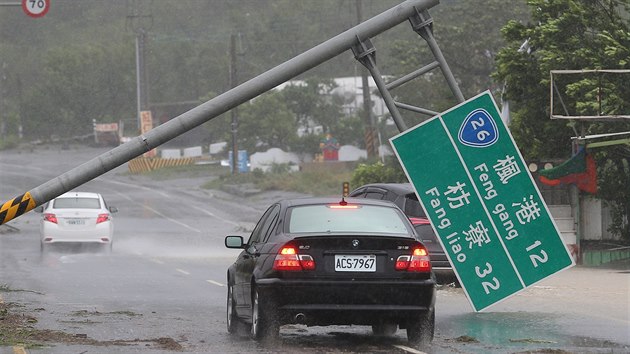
211 109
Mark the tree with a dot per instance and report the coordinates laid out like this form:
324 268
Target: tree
80 84
570 34
315 103
468 33
266 122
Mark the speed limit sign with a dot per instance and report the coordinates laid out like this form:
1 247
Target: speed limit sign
36 8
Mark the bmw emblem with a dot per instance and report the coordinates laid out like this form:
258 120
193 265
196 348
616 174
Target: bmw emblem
355 243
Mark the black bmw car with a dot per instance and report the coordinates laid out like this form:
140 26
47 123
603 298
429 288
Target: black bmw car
403 195
329 261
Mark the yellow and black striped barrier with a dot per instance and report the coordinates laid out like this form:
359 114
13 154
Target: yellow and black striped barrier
143 164
16 207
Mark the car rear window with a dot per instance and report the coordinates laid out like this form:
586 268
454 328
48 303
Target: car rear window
77 203
425 232
413 206
363 219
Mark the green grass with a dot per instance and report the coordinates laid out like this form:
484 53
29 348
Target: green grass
316 183
323 182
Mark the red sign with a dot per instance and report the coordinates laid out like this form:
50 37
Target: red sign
36 8
109 127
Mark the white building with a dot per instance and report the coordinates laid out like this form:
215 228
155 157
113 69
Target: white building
351 89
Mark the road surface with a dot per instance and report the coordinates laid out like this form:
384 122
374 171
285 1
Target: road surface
163 287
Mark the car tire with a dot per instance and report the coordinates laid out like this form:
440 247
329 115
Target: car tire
384 329
420 330
232 319
108 248
265 324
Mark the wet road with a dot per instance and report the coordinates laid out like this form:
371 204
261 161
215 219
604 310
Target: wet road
163 287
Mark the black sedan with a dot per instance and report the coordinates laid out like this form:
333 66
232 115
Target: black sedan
403 195
325 261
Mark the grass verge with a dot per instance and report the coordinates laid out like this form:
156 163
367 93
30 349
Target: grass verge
316 183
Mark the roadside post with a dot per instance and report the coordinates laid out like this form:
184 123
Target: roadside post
482 202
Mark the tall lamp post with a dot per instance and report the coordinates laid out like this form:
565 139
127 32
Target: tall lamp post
140 22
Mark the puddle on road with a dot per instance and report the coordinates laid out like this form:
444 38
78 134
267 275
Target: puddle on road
501 332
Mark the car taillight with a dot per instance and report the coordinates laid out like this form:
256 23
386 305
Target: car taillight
102 218
419 221
417 261
343 206
50 218
288 259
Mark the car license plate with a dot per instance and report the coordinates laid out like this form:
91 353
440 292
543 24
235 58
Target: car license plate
358 263
76 222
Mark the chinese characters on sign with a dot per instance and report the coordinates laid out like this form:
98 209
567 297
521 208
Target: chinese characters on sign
482 202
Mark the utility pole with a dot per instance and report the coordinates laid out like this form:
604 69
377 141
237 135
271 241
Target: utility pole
3 94
370 133
140 23
234 112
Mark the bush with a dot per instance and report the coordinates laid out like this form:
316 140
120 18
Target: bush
388 172
9 142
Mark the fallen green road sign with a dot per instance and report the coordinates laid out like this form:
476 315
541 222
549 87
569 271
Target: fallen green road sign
482 202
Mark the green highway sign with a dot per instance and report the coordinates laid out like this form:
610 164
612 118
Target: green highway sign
482 202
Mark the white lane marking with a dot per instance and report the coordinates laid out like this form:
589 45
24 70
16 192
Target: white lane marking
158 213
156 261
407 349
164 194
215 283
167 196
21 168
182 271
215 216
172 220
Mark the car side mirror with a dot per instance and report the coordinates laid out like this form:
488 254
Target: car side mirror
113 209
39 209
234 241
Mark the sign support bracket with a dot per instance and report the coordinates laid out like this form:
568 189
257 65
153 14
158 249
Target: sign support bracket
422 23
365 53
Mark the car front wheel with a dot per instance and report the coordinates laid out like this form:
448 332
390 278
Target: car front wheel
420 329
264 321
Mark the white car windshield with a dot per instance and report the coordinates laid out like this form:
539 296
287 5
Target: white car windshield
352 218
77 203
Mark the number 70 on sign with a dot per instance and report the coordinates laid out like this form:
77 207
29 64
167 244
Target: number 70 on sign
36 8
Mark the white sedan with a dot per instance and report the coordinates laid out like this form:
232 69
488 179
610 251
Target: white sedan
77 218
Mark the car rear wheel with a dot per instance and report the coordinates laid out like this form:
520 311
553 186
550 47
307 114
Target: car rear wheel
231 314
384 329
107 248
420 329
264 320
